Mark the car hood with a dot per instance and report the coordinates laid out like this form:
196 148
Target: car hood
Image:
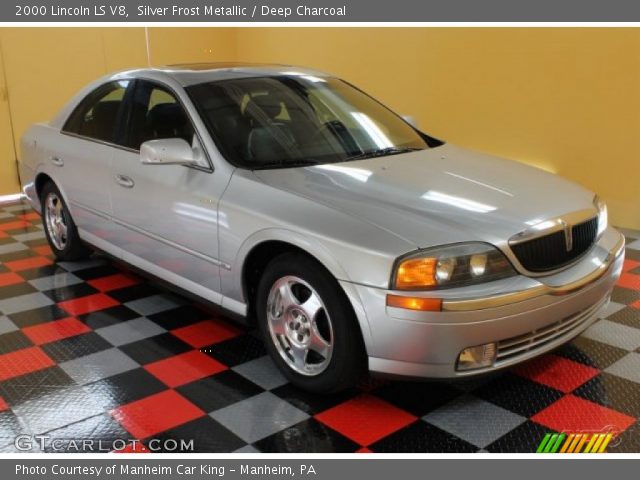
441 195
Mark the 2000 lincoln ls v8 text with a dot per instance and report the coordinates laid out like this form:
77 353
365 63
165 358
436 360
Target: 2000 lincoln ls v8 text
293 199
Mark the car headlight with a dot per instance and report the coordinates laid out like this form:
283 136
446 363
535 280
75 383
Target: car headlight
450 266
603 215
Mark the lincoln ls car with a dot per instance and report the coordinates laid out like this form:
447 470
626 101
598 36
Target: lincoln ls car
352 240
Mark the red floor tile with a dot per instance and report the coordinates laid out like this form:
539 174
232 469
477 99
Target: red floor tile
629 280
22 362
365 419
10 278
29 216
3 405
43 250
636 304
90 303
14 225
27 263
3 234
185 368
574 414
113 282
156 413
557 372
630 265
56 330
137 447
206 332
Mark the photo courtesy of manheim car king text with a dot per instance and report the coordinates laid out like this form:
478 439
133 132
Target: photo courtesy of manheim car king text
319 238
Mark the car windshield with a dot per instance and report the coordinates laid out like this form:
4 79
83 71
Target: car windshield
295 120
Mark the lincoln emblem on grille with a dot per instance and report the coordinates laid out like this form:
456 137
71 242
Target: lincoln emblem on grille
568 235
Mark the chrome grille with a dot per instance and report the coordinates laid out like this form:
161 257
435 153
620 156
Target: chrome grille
513 347
549 252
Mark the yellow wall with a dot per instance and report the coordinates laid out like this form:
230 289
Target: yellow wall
8 174
45 67
565 99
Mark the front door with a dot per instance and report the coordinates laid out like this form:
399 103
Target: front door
166 215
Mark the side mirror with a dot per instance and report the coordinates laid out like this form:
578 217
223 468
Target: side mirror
410 120
167 151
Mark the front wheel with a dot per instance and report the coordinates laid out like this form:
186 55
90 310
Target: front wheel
309 326
59 227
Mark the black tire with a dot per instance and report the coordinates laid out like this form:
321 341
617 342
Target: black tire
73 248
348 360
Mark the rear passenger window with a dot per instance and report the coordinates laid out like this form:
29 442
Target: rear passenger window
156 113
97 115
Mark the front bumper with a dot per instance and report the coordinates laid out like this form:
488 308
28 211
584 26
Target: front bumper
525 316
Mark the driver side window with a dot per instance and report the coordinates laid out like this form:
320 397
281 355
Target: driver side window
155 114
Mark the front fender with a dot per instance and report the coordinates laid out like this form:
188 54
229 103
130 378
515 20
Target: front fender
317 250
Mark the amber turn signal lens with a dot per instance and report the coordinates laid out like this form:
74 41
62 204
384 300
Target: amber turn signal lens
415 303
416 273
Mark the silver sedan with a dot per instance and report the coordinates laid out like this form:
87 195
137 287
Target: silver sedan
296 202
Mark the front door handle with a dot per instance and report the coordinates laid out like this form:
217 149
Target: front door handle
124 181
57 161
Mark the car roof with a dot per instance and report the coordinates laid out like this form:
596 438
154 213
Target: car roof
193 73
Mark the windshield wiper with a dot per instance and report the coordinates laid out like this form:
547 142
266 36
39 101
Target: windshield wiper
286 164
383 152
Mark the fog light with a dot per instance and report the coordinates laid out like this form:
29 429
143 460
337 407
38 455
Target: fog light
477 357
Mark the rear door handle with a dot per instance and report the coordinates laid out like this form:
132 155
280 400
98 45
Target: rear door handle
57 161
124 181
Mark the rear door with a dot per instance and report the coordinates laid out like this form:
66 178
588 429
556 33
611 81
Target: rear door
80 162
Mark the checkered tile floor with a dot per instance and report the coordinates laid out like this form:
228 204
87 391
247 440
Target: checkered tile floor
91 351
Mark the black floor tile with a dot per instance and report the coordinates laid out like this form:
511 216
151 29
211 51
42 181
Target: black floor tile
134 292
108 317
614 392
38 316
591 352
525 438
518 394
418 398
10 428
627 442
76 347
124 388
624 295
96 272
16 290
627 316
69 293
155 348
219 391
204 433
312 403
33 385
20 255
421 437
179 317
98 434
237 350
12 341
307 436
39 272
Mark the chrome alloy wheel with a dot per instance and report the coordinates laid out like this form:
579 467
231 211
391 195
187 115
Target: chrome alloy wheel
300 326
56 221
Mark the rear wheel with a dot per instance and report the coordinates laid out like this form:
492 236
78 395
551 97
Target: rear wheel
59 227
309 326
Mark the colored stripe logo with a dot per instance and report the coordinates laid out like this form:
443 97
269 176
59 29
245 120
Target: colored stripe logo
575 443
